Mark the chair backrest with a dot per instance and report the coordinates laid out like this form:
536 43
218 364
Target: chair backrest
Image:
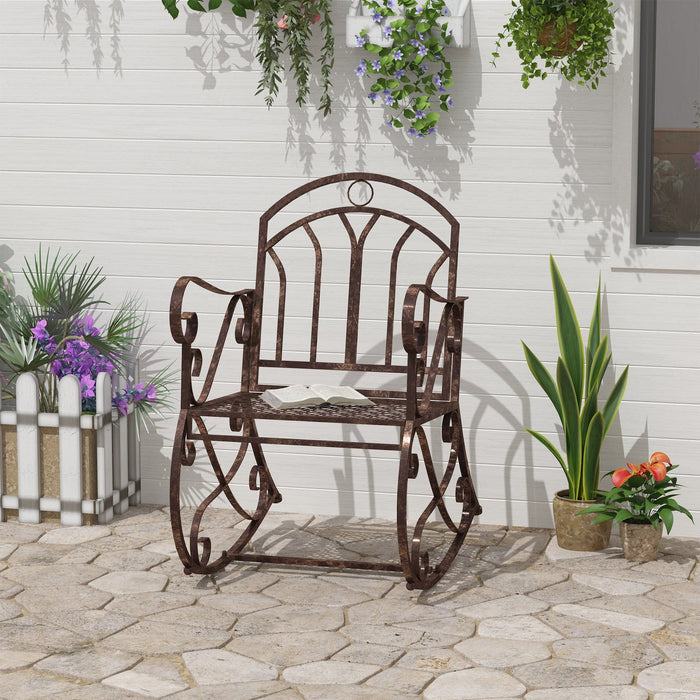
330 282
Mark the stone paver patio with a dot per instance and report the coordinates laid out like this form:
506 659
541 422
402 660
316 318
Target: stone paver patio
106 612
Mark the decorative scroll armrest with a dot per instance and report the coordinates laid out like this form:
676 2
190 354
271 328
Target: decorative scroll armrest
192 356
446 352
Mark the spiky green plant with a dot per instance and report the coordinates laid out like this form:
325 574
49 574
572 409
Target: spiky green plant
574 394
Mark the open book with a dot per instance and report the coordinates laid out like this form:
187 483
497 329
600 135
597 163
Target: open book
314 395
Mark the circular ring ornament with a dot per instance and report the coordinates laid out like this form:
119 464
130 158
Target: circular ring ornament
371 193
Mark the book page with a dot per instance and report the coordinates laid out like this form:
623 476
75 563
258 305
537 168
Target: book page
291 396
341 395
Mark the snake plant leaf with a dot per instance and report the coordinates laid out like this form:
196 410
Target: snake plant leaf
598 365
543 377
548 444
572 427
593 344
590 408
613 402
590 472
568 331
171 7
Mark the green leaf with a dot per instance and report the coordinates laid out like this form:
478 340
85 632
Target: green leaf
196 5
613 402
421 27
667 516
591 457
592 346
597 366
544 378
541 438
568 332
214 4
373 48
171 7
572 428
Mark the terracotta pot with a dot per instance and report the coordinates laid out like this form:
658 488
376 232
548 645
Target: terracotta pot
561 40
640 541
578 532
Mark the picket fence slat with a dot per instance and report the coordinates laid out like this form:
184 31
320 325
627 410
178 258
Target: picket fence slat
118 478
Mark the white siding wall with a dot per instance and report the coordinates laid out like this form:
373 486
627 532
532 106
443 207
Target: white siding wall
160 167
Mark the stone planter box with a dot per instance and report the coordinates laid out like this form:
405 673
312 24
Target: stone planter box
458 21
79 468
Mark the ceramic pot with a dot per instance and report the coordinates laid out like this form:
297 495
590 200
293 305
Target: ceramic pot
578 532
640 541
561 40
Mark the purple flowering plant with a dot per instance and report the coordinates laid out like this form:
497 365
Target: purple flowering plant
412 75
55 334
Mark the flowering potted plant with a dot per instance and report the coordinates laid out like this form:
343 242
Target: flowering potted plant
642 498
574 396
55 335
283 26
570 36
56 362
409 69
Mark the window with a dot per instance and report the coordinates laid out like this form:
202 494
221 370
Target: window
669 123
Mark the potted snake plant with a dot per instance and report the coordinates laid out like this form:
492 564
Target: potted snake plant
574 393
568 36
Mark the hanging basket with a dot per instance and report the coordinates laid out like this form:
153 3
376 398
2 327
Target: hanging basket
560 40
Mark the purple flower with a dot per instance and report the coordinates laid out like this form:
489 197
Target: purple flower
376 65
431 130
419 10
696 158
412 131
387 31
372 96
420 113
87 386
390 100
397 55
399 73
422 50
39 331
361 69
360 40
377 16
437 80
449 102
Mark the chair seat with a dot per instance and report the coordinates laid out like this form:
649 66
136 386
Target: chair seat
250 405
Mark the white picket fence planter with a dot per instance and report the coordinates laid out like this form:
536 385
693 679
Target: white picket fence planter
118 478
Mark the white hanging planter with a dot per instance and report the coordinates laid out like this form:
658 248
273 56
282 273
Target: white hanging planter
458 21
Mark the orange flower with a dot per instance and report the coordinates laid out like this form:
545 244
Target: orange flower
656 466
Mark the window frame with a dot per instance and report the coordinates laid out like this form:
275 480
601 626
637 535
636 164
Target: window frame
647 69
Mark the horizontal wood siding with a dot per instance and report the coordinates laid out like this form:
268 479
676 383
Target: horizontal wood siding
160 162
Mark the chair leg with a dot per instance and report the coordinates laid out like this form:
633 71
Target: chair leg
196 557
415 559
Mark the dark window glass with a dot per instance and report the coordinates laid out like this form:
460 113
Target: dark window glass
669 124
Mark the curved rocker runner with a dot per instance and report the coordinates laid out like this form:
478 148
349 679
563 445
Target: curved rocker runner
427 361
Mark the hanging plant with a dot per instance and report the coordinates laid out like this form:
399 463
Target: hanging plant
412 72
283 27
570 36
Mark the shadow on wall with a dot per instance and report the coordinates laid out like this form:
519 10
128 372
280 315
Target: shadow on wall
586 197
59 18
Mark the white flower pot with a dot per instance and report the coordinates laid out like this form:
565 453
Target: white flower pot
458 21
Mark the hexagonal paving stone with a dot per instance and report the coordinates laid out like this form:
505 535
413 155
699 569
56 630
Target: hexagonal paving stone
329 673
13 660
9 609
40 576
161 639
671 677
599 692
20 533
501 607
630 623
502 653
389 612
474 684
25 684
214 666
631 653
365 653
89 665
129 560
239 603
6 550
75 535
282 618
65 597
143 604
302 590
196 616
284 649
125 582
403 680
28 633
91 624
522 627
36 553
562 673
